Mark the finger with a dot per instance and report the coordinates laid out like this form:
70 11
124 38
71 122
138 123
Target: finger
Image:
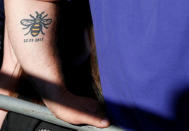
93 120
77 117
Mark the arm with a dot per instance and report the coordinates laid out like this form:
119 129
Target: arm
36 53
9 73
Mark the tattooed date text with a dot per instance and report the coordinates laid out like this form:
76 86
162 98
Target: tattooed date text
33 40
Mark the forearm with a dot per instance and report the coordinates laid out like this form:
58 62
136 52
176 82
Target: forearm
37 58
35 52
34 44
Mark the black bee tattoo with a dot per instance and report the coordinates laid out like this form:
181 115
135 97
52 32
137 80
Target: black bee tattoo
36 24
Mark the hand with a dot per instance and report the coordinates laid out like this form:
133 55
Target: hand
78 110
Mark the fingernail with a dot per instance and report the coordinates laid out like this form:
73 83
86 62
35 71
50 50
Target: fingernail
105 122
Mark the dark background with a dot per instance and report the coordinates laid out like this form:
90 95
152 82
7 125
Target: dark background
1 28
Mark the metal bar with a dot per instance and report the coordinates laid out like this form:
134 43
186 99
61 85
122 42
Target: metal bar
42 113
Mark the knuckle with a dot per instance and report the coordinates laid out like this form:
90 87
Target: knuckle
56 114
75 121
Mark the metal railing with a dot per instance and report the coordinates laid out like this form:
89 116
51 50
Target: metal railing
42 113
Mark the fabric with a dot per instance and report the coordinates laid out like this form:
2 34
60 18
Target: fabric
18 122
143 53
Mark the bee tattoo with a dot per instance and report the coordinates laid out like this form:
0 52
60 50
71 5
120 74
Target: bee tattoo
36 24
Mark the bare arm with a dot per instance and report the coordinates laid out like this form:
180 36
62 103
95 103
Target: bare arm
33 41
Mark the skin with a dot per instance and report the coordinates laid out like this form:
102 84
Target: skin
10 68
40 60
